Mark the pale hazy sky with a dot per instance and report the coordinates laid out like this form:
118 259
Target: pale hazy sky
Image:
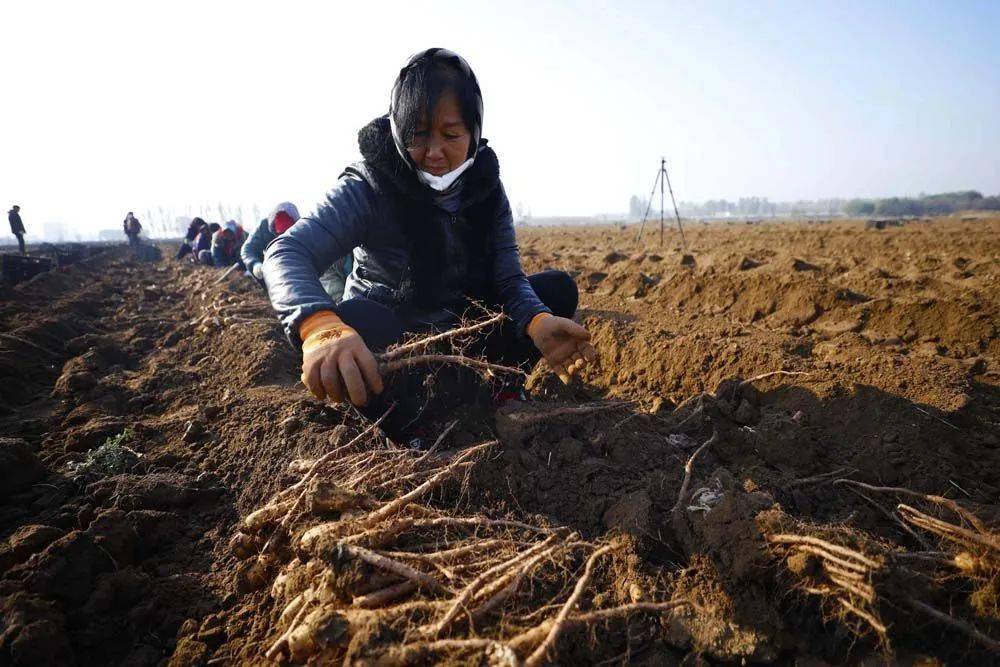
111 106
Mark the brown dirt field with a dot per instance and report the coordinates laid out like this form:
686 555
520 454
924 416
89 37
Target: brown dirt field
888 341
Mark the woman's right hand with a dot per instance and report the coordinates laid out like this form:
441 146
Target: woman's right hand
336 363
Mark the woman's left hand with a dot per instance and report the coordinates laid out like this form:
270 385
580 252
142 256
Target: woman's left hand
564 344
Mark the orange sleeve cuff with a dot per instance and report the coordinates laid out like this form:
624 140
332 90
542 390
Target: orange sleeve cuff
534 320
321 319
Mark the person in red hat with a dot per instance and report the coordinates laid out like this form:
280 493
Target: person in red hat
277 223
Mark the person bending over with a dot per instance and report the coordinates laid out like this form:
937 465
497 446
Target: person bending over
277 223
202 250
226 244
432 230
193 230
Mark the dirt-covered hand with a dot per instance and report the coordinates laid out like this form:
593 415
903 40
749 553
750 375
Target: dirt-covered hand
564 344
336 363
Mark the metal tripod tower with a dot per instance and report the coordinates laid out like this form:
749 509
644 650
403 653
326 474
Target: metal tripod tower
662 177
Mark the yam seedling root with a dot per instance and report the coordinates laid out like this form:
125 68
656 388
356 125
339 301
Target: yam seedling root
370 539
415 352
857 580
376 548
869 586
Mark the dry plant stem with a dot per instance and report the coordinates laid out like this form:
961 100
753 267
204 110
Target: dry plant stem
350 467
399 503
424 511
825 546
804 481
534 635
390 565
409 654
400 480
691 399
353 468
476 566
835 569
933 416
403 608
508 589
914 534
945 529
694 414
937 500
933 556
378 537
863 591
769 374
372 473
470 591
626 609
688 468
530 418
321 461
283 524
538 656
437 443
512 573
476 521
422 343
827 556
388 367
387 594
990 643
449 555
877 625
225 274
18 339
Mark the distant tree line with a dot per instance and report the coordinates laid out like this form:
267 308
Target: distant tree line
761 207
939 204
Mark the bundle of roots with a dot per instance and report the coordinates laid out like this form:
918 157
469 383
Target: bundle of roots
366 559
873 585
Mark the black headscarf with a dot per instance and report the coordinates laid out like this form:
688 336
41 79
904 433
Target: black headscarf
421 64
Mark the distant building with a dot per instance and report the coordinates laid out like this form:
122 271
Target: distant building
54 231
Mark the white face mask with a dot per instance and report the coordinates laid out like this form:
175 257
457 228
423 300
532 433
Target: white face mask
442 183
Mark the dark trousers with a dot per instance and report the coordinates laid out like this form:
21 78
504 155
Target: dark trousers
20 242
417 399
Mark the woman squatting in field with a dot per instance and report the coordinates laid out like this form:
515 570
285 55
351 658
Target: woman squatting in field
432 232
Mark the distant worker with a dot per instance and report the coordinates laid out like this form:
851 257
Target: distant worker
252 251
132 228
202 248
277 223
226 244
193 230
17 227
